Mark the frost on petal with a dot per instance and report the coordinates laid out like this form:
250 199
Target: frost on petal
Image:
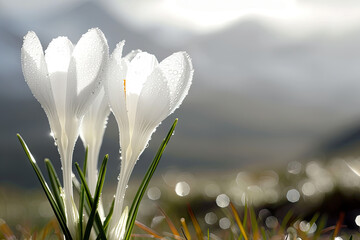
178 71
57 57
88 60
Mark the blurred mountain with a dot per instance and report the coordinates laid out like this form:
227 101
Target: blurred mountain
259 96
344 144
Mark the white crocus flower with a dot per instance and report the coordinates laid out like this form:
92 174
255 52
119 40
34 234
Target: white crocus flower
142 93
92 132
65 81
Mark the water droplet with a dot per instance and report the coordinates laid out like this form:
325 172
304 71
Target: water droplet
154 193
224 223
182 189
222 200
271 222
293 195
211 218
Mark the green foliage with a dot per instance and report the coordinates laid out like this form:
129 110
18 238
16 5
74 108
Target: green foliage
150 172
99 186
86 200
59 213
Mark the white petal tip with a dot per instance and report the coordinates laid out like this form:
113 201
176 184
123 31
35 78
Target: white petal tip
120 44
29 34
30 38
97 32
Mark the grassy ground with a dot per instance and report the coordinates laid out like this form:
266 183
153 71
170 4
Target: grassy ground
313 200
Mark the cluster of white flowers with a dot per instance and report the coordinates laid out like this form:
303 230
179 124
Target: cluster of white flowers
78 85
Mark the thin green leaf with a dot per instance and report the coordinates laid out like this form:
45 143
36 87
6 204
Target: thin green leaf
59 216
245 215
320 227
286 219
108 217
98 190
99 225
82 197
150 172
77 187
254 224
313 220
55 185
107 220
263 233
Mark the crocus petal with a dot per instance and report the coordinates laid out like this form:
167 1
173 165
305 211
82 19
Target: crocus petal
58 54
115 87
35 71
36 76
149 93
178 71
130 56
92 131
88 60
118 231
57 57
140 67
153 107
94 122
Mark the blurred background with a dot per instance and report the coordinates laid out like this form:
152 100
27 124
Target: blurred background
275 100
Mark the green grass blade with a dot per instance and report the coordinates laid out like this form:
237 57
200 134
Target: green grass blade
98 190
286 219
150 172
245 220
82 197
107 220
320 227
99 225
59 216
254 223
55 185
263 233
313 220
